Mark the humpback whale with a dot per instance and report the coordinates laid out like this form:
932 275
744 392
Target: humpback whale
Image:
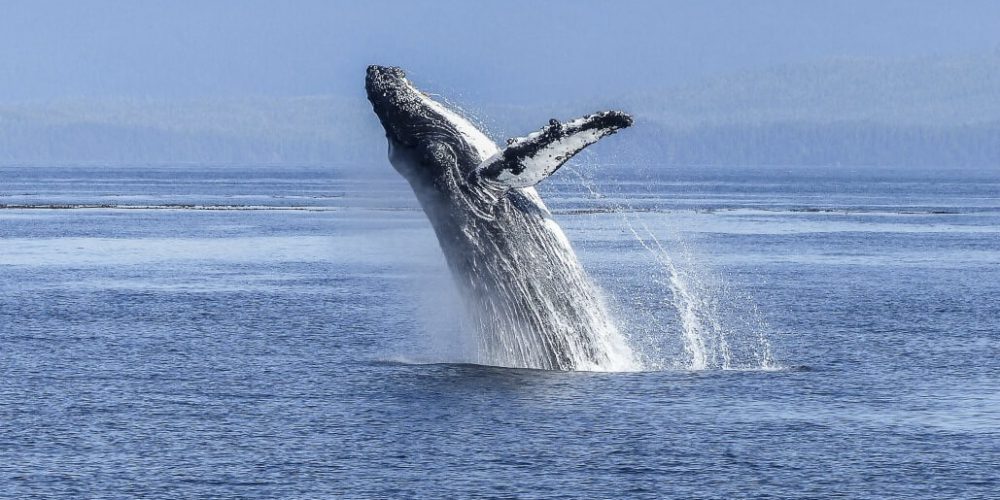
529 299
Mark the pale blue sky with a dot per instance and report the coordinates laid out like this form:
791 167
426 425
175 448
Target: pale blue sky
501 51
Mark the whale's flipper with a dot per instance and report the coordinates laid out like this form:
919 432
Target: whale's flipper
528 160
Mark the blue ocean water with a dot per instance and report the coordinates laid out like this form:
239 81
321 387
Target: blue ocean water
288 332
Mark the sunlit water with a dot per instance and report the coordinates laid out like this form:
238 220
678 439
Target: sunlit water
289 332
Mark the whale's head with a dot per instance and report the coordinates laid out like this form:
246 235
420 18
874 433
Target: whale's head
434 147
425 137
398 105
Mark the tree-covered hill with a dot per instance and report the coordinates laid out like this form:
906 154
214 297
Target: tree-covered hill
932 111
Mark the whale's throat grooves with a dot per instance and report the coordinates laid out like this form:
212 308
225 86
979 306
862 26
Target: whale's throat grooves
531 300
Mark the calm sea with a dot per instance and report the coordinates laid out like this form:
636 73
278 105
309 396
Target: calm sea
291 332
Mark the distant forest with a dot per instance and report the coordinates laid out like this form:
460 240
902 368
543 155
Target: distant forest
923 112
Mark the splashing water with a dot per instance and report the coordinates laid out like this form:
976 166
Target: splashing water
718 327
714 338
532 305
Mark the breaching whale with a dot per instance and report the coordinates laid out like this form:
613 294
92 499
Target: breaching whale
531 302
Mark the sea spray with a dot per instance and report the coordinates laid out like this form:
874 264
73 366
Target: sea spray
716 325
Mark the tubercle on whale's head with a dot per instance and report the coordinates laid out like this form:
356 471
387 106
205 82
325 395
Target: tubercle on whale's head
380 81
393 100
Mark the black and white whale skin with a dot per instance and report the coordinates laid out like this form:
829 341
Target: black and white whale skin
530 300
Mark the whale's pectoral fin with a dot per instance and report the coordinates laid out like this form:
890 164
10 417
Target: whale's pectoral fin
528 160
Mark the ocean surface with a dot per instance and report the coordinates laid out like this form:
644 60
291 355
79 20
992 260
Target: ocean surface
183 332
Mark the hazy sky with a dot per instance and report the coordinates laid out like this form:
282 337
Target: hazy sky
509 51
